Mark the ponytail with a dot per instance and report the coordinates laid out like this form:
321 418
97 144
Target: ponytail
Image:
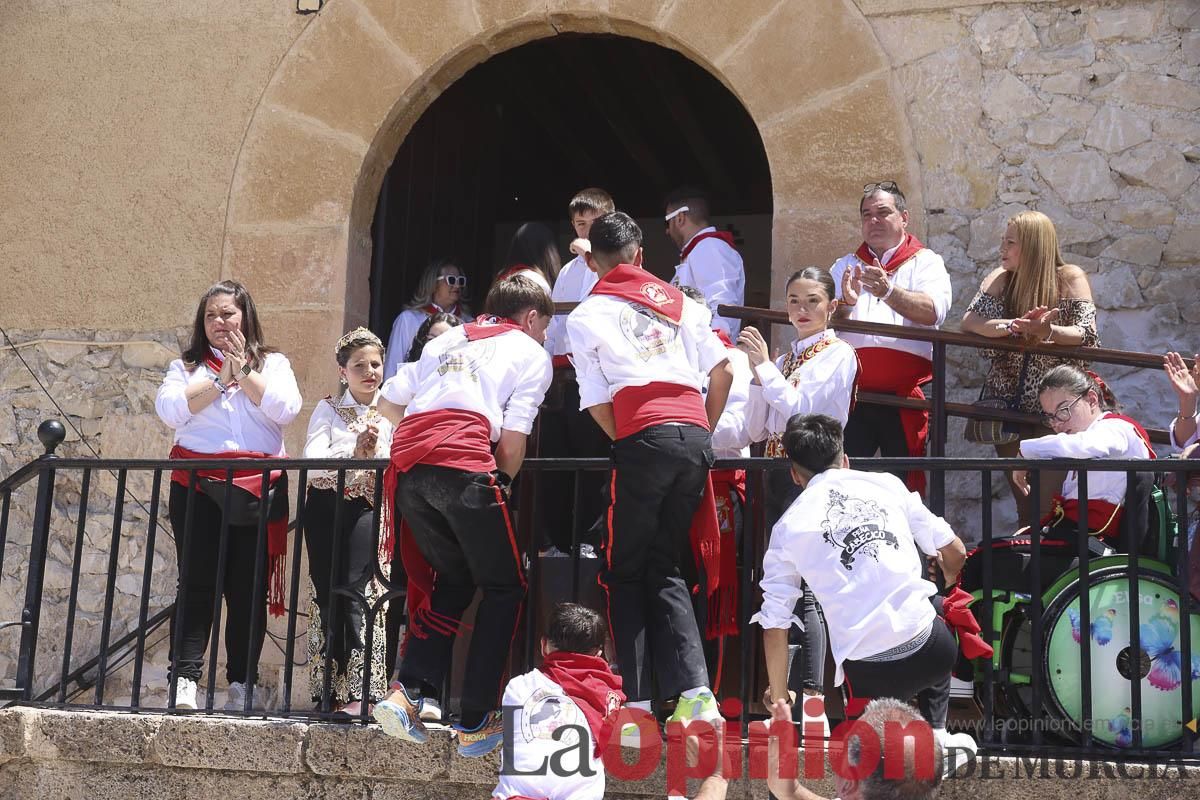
1077 380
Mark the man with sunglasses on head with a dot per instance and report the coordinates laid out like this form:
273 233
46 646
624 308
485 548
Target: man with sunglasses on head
708 259
892 279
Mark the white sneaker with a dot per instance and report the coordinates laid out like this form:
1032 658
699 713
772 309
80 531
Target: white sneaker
431 710
185 693
957 749
587 551
961 688
235 700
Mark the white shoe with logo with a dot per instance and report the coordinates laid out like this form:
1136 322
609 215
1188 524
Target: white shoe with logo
185 693
235 700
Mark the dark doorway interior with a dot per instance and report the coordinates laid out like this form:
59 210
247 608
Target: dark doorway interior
515 137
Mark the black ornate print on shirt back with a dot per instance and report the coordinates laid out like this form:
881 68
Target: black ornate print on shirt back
856 527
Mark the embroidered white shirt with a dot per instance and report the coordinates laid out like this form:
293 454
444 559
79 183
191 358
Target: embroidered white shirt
1105 438
925 272
618 344
536 707
404 330
822 385
232 421
329 436
715 269
503 377
853 537
572 285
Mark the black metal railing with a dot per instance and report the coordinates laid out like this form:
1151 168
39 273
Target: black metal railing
1025 623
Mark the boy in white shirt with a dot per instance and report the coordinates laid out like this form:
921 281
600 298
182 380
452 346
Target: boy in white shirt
476 384
642 350
853 537
573 687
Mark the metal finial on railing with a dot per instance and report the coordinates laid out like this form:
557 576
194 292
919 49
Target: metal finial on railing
51 434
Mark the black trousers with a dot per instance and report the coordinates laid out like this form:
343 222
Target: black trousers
806 669
872 428
658 481
341 617
461 524
925 673
567 432
243 600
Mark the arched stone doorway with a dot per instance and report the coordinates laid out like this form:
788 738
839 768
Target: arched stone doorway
298 228
513 139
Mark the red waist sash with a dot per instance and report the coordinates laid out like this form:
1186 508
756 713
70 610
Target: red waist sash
248 480
638 407
897 372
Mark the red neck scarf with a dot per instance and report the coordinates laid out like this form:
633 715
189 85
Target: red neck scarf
249 480
638 286
888 371
487 326
909 246
724 236
724 337
1141 432
214 361
591 684
434 308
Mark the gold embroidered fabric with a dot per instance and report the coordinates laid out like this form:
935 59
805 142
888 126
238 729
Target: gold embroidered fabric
359 482
791 372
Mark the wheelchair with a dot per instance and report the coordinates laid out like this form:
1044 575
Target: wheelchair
1115 660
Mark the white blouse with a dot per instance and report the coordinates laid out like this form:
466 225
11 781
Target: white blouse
822 385
232 421
1107 437
333 431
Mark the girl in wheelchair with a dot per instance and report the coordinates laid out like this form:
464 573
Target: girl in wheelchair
1081 409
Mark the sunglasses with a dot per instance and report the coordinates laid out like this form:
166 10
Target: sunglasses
887 186
453 280
1062 413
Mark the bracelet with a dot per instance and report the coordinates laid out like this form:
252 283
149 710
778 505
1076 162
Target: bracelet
888 293
222 388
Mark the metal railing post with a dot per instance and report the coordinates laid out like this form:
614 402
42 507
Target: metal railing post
937 429
51 433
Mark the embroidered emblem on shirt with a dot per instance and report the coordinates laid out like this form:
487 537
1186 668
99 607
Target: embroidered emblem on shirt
545 712
650 334
655 294
466 357
855 527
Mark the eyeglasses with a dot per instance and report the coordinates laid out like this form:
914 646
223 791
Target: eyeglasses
453 280
675 213
887 186
1062 413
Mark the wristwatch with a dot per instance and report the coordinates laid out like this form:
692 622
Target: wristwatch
245 370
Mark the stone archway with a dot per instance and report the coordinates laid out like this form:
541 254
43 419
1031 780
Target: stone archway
812 76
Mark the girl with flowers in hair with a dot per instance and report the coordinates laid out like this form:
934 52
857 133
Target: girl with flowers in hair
341 542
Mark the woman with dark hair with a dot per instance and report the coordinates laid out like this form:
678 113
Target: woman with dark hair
430 329
817 375
533 252
440 290
228 397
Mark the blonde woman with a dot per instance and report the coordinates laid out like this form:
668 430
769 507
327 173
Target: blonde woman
440 289
347 425
1037 298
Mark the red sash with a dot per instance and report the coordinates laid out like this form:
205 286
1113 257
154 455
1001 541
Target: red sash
434 308
591 684
636 408
248 480
728 484
909 247
638 286
1141 432
962 623
214 363
724 236
896 372
485 327
1104 518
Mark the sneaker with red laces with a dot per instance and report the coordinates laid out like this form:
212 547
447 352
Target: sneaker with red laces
400 716
482 739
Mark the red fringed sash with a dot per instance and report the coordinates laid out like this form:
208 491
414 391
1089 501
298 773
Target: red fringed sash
900 373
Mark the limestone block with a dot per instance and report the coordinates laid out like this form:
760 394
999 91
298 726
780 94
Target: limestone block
14 733
63 352
1190 46
1009 98
1078 177
146 355
1063 83
1183 14
1071 229
1173 285
1143 54
1060 29
1141 89
350 750
1116 286
248 746
1045 131
1138 248
987 230
1145 214
1113 130
1131 22
1047 62
8 425
427 30
1184 245
908 38
1002 29
690 23
1083 262
1158 166
1077 112
92 736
